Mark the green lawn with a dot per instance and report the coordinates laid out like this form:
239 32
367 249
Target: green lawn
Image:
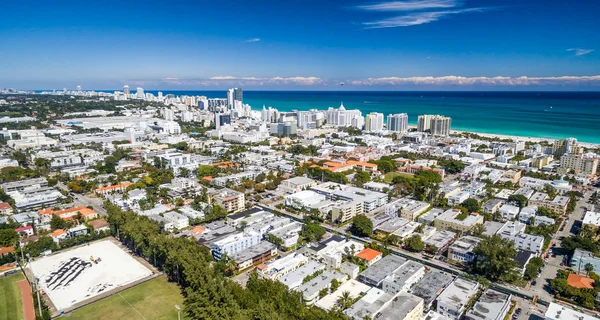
390 175
155 299
10 297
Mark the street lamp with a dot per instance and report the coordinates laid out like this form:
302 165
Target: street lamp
178 312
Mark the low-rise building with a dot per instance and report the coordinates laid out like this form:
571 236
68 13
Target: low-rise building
376 273
557 311
493 205
452 219
403 278
296 184
492 305
5 209
591 219
430 287
515 232
558 204
454 299
310 290
179 221
462 249
508 211
276 269
370 256
34 183
260 252
581 258
440 239
234 243
385 306
230 200
406 208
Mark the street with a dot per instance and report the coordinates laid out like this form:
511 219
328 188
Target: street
95 202
542 286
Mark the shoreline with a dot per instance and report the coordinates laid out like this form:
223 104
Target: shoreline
516 137
530 139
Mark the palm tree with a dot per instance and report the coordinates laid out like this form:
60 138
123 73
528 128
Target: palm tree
589 268
345 300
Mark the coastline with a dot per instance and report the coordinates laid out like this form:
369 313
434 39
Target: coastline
516 137
530 139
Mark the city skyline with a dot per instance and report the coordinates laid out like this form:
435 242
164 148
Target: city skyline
267 45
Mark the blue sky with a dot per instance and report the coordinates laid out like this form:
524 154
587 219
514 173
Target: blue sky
307 45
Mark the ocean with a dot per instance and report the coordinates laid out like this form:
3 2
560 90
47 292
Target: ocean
551 115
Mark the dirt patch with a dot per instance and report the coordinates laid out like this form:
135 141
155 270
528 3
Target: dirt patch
27 298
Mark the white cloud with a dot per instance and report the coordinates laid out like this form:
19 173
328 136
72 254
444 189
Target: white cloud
580 52
252 40
219 80
417 18
488 81
409 5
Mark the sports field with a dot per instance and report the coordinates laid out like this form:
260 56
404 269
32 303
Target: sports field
388 177
11 307
154 299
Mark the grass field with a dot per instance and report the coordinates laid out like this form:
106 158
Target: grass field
155 299
390 175
10 297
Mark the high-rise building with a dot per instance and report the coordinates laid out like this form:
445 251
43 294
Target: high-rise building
78 88
234 98
436 124
130 134
345 118
169 114
126 90
222 119
424 122
397 122
579 163
140 93
569 145
440 125
374 121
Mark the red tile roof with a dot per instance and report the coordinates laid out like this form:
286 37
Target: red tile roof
580 282
368 254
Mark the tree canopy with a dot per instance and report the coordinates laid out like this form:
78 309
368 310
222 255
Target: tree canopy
494 258
361 226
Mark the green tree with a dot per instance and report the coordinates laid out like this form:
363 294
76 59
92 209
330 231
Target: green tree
8 237
532 269
518 199
57 223
361 226
472 205
312 231
494 258
345 300
478 230
415 243
361 178
588 268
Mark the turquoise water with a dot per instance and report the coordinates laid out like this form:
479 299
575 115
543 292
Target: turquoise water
530 114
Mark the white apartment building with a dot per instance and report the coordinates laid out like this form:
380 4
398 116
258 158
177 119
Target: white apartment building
276 269
343 211
406 208
515 232
345 118
397 122
374 121
235 243
453 300
179 221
